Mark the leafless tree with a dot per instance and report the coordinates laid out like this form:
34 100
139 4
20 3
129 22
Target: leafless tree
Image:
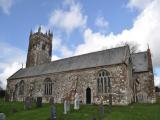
132 45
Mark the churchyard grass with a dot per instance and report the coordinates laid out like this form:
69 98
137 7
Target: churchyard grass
132 112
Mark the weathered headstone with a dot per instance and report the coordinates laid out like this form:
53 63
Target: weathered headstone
27 103
51 100
110 102
101 111
65 106
68 105
76 102
53 113
39 102
6 97
2 116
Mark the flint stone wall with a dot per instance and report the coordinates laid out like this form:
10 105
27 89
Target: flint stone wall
145 90
65 82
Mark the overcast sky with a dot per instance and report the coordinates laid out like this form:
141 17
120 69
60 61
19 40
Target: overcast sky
78 26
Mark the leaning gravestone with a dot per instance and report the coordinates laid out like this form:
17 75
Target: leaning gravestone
39 102
2 116
27 103
53 112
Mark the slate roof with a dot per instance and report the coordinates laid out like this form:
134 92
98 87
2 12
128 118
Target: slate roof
95 59
140 62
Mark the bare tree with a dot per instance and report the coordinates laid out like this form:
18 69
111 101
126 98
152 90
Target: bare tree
132 45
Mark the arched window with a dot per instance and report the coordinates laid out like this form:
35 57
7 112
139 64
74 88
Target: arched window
103 82
48 86
21 87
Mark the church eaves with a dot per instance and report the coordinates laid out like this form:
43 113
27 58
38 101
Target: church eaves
95 59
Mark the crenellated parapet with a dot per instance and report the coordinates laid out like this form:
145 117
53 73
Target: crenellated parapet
40 48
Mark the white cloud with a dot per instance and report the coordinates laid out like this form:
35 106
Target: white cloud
68 2
157 81
145 30
54 57
6 5
101 22
140 4
56 42
70 19
65 51
59 46
11 60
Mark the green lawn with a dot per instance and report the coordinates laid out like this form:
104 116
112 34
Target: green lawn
131 112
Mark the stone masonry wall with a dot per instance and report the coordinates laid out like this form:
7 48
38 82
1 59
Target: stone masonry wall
145 91
65 82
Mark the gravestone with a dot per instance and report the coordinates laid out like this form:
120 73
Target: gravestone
68 105
27 103
110 102
65 106
6 97
39 102
51 100
101 111
53 112
76 102
2 116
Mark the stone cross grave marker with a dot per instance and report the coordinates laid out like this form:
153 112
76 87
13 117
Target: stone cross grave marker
53 113
2 116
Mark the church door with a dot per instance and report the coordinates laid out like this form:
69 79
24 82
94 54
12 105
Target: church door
88 96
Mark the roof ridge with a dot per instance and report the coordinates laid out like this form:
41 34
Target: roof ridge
89 60
91 53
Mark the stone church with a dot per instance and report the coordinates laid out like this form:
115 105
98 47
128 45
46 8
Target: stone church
94 76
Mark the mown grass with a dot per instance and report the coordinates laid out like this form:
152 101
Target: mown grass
86 112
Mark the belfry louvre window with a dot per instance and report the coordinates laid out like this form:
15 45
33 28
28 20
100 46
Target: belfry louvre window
103 81
48 86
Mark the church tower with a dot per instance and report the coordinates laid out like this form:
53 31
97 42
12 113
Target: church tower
39 49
